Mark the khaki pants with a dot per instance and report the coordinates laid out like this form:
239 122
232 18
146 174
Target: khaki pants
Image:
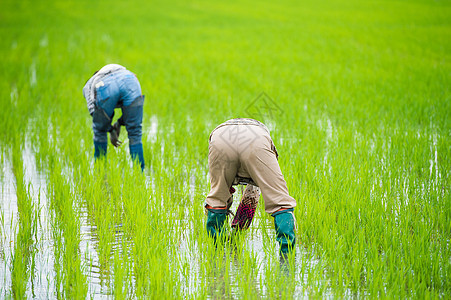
245 151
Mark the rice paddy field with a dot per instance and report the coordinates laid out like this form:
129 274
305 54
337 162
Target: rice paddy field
356 95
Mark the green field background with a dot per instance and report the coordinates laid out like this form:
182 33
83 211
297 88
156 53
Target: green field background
357 95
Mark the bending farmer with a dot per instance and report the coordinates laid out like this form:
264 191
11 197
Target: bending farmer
113 86
242 150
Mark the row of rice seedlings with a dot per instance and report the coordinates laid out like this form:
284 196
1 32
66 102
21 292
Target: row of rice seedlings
152 226
101 193
99 208
23 262
70 277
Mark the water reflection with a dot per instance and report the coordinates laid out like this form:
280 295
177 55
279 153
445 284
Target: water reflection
25 239
8 207
104 245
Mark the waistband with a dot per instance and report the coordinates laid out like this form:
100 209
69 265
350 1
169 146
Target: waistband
103 75
241 122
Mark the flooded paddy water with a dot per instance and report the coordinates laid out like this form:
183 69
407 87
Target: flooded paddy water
108 250
42 271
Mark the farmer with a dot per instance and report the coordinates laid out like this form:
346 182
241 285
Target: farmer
242 150
113 86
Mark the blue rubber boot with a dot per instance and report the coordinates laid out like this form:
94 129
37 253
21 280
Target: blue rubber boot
284 225
99 149
136 152
215 222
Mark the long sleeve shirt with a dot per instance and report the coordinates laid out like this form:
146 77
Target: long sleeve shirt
89 90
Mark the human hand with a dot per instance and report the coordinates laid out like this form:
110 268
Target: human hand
114 135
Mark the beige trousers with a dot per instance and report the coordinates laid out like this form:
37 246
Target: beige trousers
245 151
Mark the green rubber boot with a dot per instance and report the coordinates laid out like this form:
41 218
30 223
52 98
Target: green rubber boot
215 222
284 225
